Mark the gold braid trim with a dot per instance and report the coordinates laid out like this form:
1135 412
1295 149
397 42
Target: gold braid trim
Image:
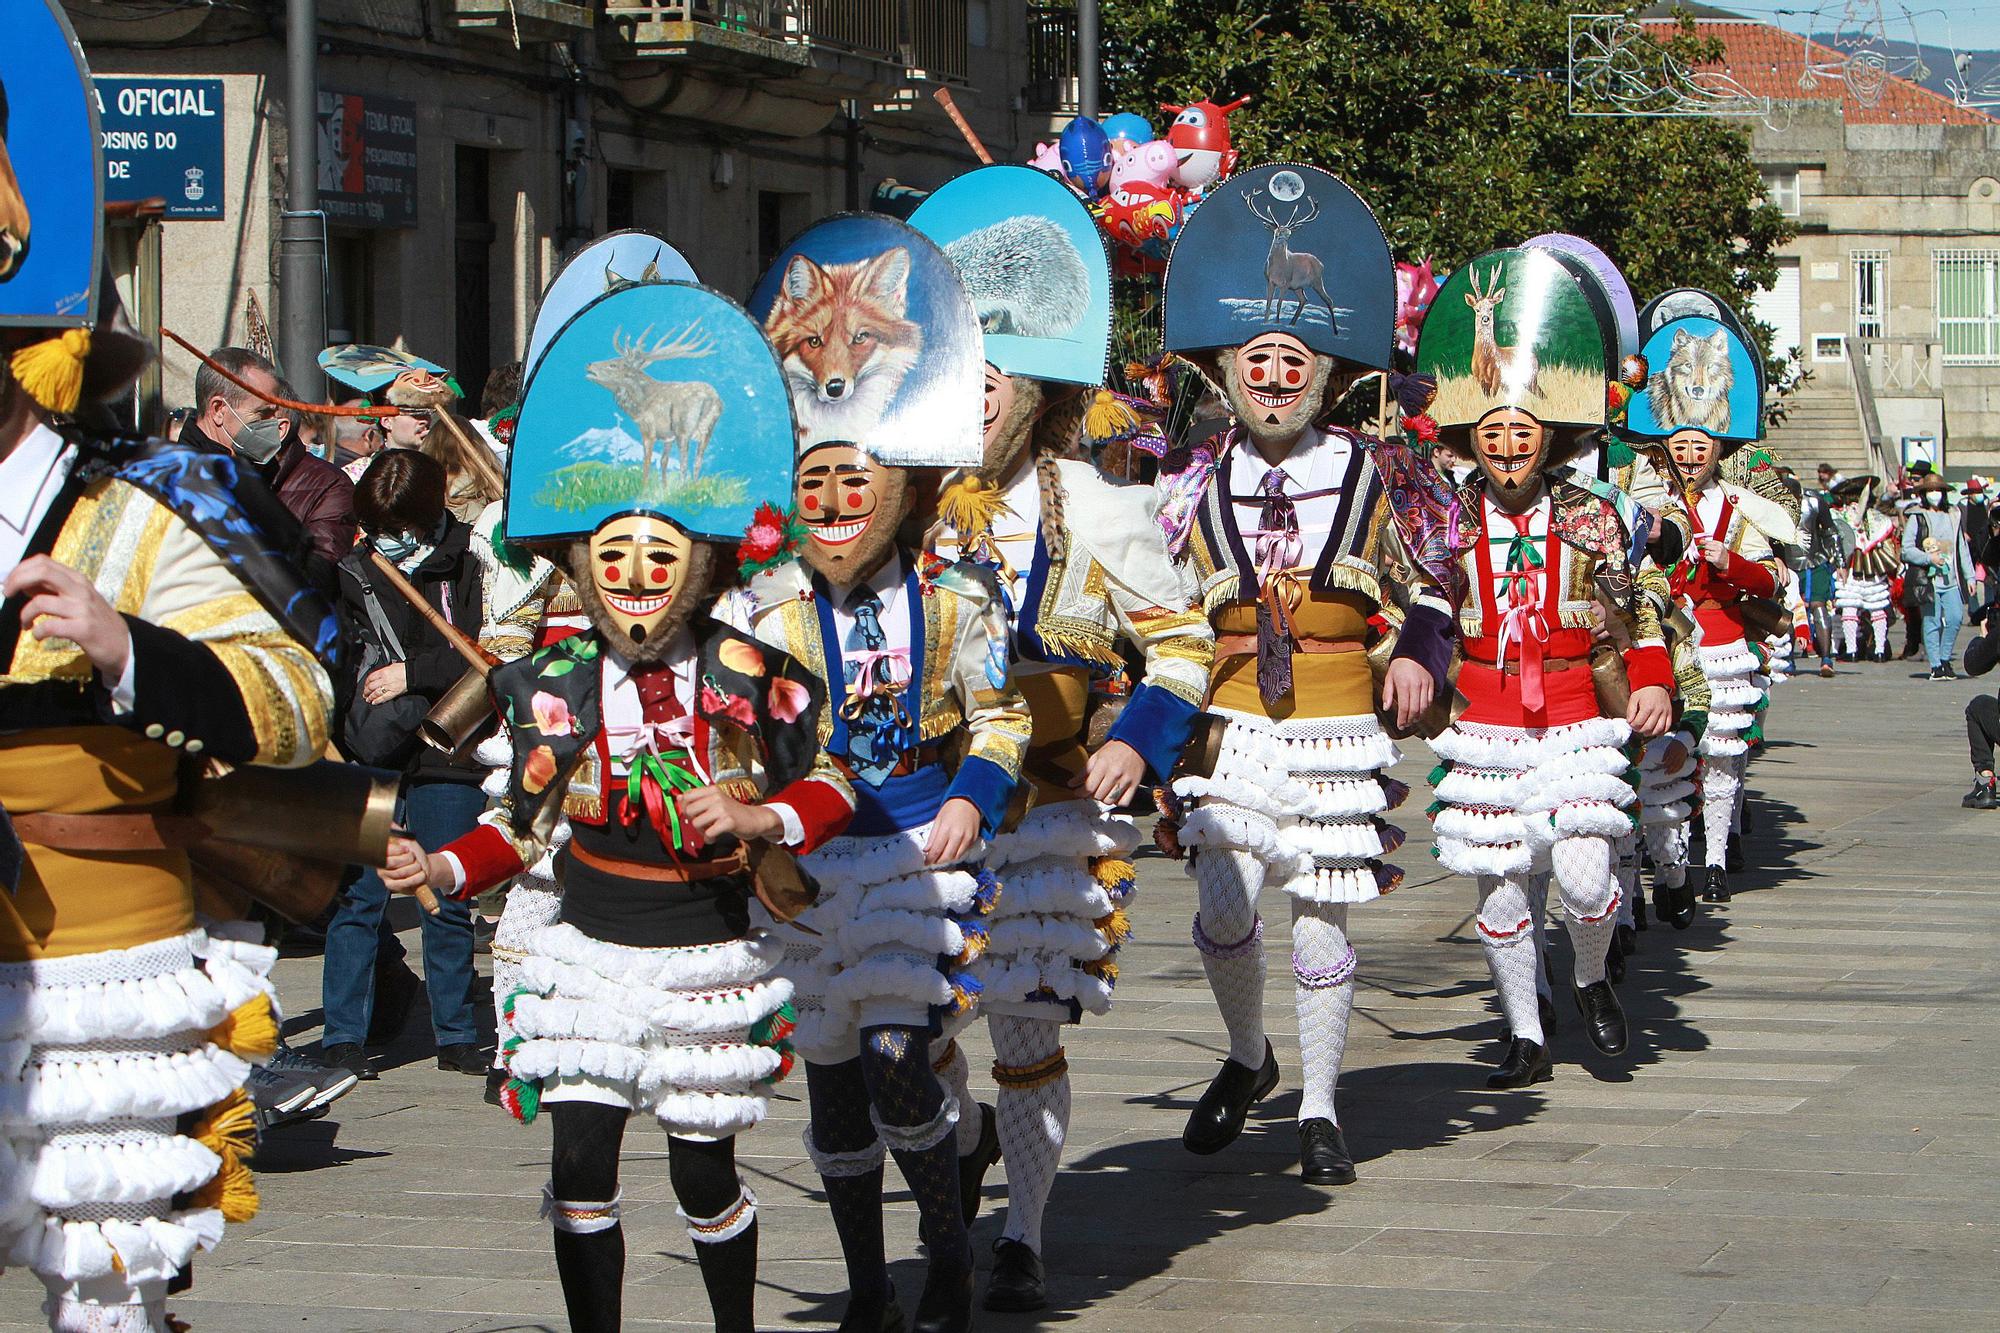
943 1061
1025 1078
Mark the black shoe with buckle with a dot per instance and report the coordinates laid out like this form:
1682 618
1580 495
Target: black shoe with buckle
972 1167
1981 797
1602 1016
1527 1062
1675 903
1218 1117
1323 1155
1017 1284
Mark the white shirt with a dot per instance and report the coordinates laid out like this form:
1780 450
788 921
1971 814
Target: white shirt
1500 533
1707 509
30 477
1318 462
887 583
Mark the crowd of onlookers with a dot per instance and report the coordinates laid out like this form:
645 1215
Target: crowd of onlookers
366 480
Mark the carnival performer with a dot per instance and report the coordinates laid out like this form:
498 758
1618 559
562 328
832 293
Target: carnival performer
1862 585
1734 558
1532 779
922 717
1293 530
150 626
1083 568
674 746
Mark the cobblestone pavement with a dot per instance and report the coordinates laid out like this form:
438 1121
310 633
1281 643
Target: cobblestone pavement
1802 1135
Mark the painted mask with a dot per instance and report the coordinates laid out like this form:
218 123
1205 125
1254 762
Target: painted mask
851 506
639 568
1013 405
1275 385
1696 453
1509 445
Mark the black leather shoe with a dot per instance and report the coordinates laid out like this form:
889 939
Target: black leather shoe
972 1167
1717 888
1016 1285
1527 1062
1981 797
464 1058
1732 855
946 1305
1627 938
347 1055
1323 1155
1602 1017
1614 964
1674 903
873 1317
1218 1117
1545 1009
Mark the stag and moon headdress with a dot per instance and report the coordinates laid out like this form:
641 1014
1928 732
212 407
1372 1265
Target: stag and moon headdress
660 398
618 259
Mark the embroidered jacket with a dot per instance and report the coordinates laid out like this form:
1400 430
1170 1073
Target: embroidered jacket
1392 542
753 730
1753 529
1115 581
958 670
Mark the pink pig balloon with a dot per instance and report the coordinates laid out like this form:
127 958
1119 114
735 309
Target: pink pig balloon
1150 164
1048 157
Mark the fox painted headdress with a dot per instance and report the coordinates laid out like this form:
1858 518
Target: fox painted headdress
878 341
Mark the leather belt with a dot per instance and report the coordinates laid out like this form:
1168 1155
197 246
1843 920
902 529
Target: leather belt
1245 645
921 757
111 831
686 872
1513 667
1710 604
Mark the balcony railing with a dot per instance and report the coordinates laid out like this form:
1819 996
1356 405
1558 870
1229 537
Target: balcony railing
928 35
1051 58
939 45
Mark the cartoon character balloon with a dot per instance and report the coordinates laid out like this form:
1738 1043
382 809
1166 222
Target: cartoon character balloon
1200 136
1048 157
1085 155
1126 131
1416 288
1150 164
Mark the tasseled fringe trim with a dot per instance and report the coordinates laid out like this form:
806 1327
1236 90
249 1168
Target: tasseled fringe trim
1463 857
714 1114
728 1224
1515 749
732 1067
1324 978
232 1192
119 1085
898 976
158 991
1345 884
1616 899
1228 829
1026 1078
1061 937
249 1030
917 932
1242 948
842 1165
1716 746
947 890
697 967
70 1175
1116 928
1031 987
151 1249
579 1217
689 1011
1051 886
862 862
918 1138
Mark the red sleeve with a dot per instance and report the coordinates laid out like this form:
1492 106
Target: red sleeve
487 856
823 810
1750 577
1649 666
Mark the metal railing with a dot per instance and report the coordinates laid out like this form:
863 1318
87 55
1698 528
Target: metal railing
872 28
939 43
1051 58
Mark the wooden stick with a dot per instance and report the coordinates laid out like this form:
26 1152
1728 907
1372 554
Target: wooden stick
291 404
943 96
481 661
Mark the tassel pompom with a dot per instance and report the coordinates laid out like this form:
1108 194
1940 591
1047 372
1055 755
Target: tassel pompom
232 1191
969 505
522 1099
51 371
1116 927
249 1030
773 1029
228 1128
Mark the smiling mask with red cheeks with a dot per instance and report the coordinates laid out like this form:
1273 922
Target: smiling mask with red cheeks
1275 385
644 577
1509 445
1696 454
851 507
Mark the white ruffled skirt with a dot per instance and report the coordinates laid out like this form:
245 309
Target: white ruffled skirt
119 1091
694 1035
1859 594
1305 797
1061 917
1666 796
889 940
1732 711
1506 795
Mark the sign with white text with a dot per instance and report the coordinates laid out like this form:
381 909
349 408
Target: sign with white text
163 140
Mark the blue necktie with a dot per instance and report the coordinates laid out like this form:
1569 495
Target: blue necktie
874 741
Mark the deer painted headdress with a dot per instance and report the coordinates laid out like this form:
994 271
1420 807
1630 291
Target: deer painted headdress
660 398
1283 248
1520 329
1034 263
619 259
878 342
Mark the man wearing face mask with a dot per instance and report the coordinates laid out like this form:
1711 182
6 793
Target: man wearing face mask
674 748
1935 549
1532 775
923 719
315 492
1733 560
1321 567
1085 570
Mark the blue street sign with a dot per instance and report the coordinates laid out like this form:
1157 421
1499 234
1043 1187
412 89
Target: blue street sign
163 140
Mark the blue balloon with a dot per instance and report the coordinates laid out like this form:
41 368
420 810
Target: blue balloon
1130 126
1086 154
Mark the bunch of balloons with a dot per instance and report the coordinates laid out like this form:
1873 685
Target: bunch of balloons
1141 188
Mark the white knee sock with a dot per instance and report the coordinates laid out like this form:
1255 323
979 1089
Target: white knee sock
1536 887
1589 898
1628 877
1033 1115
1719 785
955 1072
1880 620
1323 971
1231 940
1850 629
1506 932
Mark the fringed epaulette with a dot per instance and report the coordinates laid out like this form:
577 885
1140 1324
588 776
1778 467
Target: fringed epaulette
969 506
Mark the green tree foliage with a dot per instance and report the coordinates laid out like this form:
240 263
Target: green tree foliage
1451 118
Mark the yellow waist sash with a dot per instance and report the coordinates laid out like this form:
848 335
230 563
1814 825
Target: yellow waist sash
1323 684
1056 702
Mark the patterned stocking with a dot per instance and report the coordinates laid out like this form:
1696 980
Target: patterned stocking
1879 620
949 1061
1231 938
1536 887
1628 876
1740 764
1590 901
915 1118
1719 785
1506 932
848 1155
1850 628
1323 969
1033 1114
